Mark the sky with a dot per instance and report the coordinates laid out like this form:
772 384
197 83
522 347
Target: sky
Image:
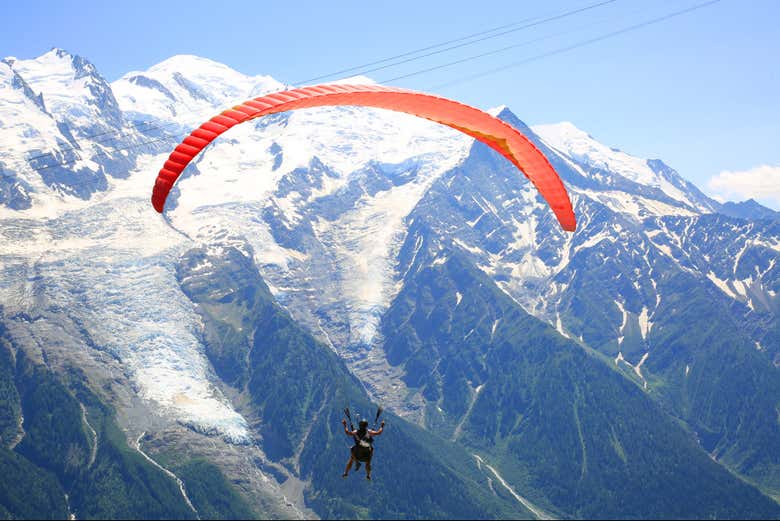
701 91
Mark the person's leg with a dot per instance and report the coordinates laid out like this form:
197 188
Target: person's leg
349 466
368 463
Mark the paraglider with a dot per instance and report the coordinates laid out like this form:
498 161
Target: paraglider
497 134
363 450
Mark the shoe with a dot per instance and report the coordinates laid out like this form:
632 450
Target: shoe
344 475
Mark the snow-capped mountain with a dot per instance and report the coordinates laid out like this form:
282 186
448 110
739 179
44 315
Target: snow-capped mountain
185 87
73 91
342 211
614 169
29 127
69 139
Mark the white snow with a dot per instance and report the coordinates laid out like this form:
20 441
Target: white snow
472 249
212 87
493 328
623 322
739 255
585 149
367 259
25 130
559 325
645 324
722 285
638 368
595 239
634 205
112 264
64 92
740 287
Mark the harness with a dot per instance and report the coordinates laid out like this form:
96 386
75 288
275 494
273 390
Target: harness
363 449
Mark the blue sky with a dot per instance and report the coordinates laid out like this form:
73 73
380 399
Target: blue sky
700 91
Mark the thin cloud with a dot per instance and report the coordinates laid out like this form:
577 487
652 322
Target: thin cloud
761 183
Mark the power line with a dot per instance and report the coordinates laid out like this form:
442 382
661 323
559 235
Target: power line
360 69
103 154
410 53
76 147
577 45
151 125
494 51
25 162
167 137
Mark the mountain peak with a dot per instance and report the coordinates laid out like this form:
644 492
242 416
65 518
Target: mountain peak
354 80
496 111
188 63
59 52
563 130
72 88
186 83
62 60
567 138
504 113
204 70
613 167
55 66
750 209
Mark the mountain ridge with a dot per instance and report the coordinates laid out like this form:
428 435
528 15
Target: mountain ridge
335 211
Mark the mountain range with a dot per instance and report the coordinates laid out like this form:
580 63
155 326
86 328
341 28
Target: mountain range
196 364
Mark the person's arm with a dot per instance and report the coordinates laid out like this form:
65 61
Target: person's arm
347 431
377 433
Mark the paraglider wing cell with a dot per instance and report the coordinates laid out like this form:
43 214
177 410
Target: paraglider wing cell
497 134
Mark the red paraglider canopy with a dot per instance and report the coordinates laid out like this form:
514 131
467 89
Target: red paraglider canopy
488 129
